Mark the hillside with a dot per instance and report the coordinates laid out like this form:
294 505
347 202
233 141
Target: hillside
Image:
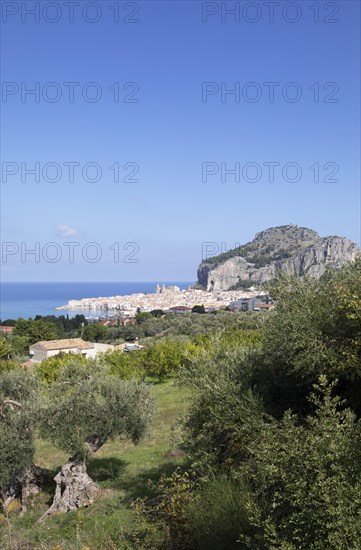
288 248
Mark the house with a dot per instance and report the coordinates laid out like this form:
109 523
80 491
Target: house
180 309
126 321
44 350
5 329
248 304
244 304
239 305
102 348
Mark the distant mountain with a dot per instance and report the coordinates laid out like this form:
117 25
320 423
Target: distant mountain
288 248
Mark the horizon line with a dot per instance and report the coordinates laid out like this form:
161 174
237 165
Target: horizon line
91 282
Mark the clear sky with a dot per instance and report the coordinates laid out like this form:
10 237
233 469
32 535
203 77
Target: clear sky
173 132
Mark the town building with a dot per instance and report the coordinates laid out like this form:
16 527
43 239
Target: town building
180 309
257 303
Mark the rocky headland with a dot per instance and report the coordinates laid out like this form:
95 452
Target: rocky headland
238 273
288 249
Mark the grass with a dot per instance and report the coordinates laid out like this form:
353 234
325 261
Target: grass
122 470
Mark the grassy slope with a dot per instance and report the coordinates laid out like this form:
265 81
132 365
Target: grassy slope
122 470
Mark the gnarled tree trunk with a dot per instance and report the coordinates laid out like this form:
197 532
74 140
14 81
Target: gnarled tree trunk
25 486
32 482
74 488
11 493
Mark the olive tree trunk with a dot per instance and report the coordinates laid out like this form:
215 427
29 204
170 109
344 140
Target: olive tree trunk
23 488
74 488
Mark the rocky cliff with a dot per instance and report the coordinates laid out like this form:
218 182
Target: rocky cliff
290 249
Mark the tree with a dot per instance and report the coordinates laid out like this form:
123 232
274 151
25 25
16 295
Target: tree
263 482
63 323
125 365
5 349
314 330
95 333
311 475
9 323
20 345
347 287
84 408
129 333
49 369
157 313
143 316
36 330
163 358
18 414
198 309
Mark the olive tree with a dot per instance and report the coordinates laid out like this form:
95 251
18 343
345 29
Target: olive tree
314 330
5 349
18 411
83 409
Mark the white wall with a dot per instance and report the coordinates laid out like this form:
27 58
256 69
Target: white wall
40 355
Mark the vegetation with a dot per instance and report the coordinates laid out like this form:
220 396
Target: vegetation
18 396
5 349
86 406
256 440
274 431
123 472
48 371
198 309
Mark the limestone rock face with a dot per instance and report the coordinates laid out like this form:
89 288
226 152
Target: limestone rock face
289 249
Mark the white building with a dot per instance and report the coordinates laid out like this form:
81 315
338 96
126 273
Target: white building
43 350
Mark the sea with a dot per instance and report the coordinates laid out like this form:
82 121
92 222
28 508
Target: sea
30 299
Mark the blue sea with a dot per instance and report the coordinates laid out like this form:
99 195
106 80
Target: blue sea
31 299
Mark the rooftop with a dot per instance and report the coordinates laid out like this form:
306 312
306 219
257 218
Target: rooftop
64 344
5 328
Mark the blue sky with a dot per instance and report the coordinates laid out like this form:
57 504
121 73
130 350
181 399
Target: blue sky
170 132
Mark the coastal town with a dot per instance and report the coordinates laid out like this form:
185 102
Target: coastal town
169 299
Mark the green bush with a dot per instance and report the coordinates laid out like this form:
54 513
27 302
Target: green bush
20 345
315 329
125 365
37 330
49 369
6 349
311 475
224 516
163 358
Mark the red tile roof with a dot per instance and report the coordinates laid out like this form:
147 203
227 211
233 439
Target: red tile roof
4 328
66 343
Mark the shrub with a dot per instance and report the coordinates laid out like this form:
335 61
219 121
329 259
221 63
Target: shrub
223 515
163 358
49 369
125 365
